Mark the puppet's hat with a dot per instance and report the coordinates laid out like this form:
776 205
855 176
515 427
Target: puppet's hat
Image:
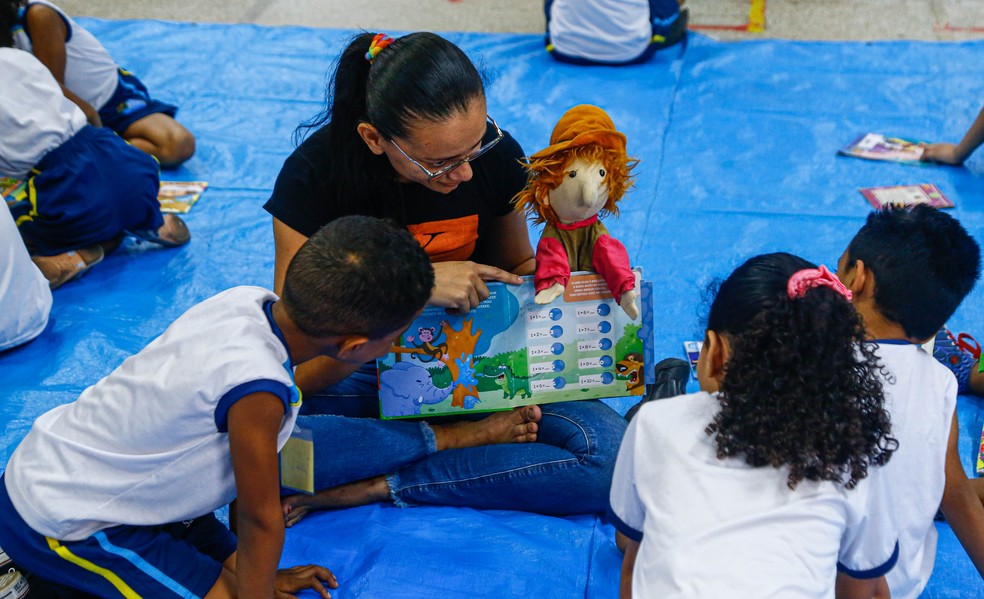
581 126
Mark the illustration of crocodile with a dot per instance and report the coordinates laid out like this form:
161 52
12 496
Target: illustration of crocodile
510 383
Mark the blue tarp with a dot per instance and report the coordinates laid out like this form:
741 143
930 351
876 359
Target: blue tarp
737 143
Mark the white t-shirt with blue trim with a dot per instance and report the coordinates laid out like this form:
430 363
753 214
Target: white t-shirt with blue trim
90 71
610 31
35 116
720 528
921 396
148 444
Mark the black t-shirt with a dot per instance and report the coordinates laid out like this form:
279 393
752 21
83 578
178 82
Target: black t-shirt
449 226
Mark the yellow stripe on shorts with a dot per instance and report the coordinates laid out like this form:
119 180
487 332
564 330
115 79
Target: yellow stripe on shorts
63 552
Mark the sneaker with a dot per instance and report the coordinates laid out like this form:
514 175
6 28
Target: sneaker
63 268
672 375
957 354
4 560
13 585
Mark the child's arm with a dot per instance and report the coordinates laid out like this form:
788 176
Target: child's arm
856 588
961 506
48 34
628 564
253 424
957 153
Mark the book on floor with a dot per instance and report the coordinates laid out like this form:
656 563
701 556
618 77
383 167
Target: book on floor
980 457
179 196
510 351
906 195
875 146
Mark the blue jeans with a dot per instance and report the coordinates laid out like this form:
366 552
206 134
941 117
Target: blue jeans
567 471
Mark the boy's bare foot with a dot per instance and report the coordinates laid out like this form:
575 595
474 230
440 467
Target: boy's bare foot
361 492
515 426
64 267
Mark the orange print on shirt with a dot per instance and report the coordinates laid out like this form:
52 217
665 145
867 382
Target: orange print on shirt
444 240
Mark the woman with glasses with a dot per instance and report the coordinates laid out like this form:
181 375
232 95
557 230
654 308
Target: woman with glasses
406 136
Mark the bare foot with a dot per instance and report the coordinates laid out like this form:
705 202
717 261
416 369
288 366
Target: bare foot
515 426
361 492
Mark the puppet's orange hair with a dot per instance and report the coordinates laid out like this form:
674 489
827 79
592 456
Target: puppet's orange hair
545 175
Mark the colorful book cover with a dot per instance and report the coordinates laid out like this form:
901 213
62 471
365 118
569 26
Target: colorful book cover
875 146
13 190
906 195
980 457
510 351
179 196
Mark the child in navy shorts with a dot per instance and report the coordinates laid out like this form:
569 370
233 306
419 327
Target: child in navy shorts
85 185
107 93
113 494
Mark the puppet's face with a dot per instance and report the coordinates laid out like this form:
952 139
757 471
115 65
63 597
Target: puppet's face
582 192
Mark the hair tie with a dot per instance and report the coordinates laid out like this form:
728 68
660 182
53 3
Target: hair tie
378 43
808 278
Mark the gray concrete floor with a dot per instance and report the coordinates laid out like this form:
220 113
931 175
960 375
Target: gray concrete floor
722 19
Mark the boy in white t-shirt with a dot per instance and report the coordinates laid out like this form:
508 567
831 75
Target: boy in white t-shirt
908 270
113 493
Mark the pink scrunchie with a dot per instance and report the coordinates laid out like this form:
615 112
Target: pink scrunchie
808 278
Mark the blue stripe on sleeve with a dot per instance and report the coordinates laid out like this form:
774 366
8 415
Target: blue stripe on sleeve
873 572
622 527
240 391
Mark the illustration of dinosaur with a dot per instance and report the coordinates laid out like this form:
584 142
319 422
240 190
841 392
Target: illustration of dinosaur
509 382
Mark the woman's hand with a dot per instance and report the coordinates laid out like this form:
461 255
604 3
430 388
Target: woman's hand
460 286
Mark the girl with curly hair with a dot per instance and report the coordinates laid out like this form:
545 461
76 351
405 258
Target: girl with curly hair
759 478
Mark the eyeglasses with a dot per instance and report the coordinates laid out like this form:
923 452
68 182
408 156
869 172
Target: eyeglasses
431 175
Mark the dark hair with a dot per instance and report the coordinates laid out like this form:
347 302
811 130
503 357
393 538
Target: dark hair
8 18
924 263
418 76
357 275
800 388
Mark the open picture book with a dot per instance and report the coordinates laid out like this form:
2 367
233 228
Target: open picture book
510 351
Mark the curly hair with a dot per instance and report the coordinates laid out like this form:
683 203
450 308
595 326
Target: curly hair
801 388
545 175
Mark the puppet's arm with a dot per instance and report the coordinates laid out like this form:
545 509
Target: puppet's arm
611 260
552 270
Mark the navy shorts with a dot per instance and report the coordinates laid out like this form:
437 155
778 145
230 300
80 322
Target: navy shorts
131 102
88 190
182 559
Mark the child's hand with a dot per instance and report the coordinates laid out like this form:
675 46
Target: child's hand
945 153
298 578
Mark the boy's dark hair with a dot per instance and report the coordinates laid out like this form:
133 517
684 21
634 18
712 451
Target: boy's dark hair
420 76
357 275
800 388
924 263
